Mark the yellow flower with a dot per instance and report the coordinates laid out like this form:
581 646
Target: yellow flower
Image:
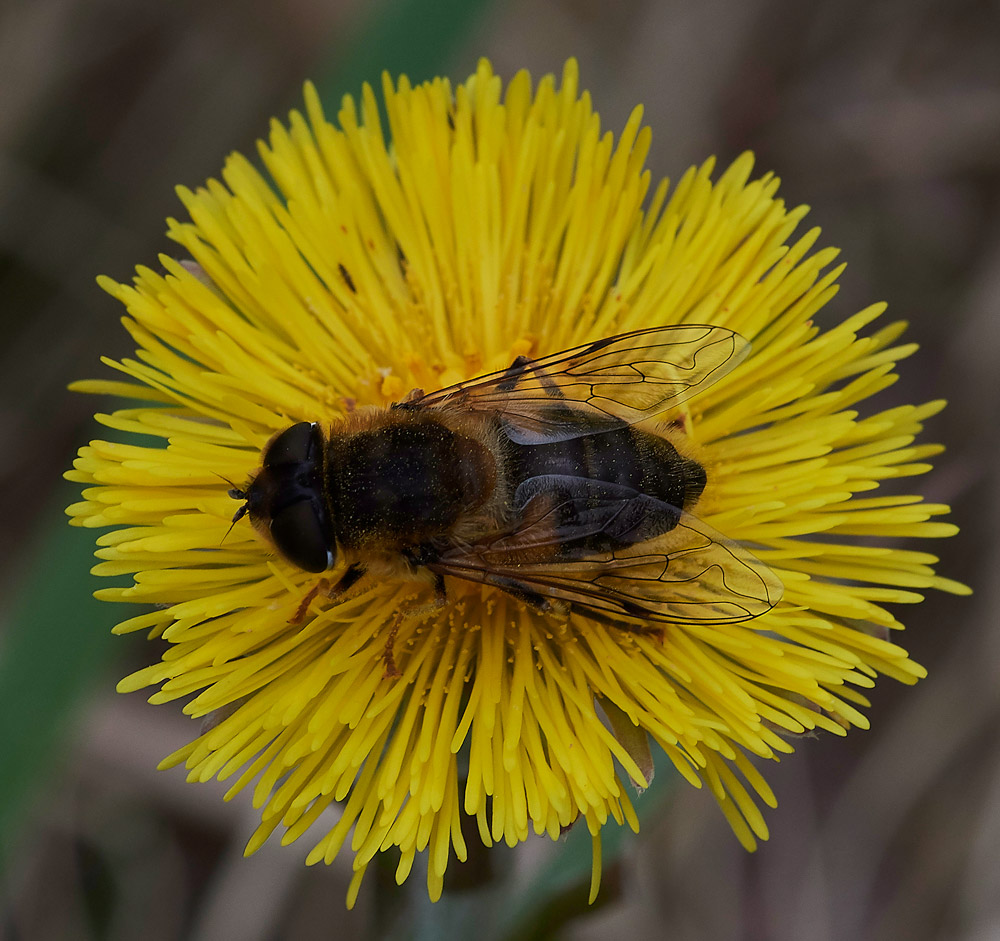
488 223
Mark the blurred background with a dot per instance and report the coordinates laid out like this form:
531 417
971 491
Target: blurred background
884 116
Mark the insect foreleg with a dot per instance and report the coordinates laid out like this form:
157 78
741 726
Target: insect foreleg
303 608
337 593
355 572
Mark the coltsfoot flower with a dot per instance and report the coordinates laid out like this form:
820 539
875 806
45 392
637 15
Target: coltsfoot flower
493 222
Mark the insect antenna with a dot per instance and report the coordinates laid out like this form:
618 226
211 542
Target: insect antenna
237 516
237 494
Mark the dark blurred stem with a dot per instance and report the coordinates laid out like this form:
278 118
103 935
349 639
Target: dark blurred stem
479 868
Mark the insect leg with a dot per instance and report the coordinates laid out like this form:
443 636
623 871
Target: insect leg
355 572
640 630
439 601
307 599
523 593
423 556
521 367
390 671
440 595
411 611
512 373
337 593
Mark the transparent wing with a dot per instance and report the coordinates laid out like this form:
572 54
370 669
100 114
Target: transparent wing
610 550
599 386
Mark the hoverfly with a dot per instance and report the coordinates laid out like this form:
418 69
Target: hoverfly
536 480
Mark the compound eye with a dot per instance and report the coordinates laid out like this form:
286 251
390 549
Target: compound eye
300 535
293 446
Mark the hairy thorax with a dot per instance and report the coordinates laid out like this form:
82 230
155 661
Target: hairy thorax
404 479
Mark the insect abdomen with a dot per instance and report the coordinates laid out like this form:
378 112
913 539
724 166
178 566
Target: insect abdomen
628 457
